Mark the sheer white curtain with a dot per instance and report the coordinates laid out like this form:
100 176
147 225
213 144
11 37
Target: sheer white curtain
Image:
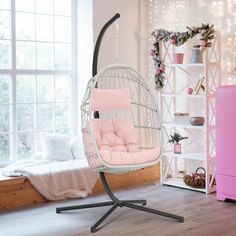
84 54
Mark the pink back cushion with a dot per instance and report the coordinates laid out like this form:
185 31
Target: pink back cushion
111 99
116 135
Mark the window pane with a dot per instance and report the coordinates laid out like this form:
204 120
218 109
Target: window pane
45 117
25 88
25 26
25 116
45 85
5 32
62 115
62 88
44 28
25 55
62 7
43 42
62 56
4 118
26 145
45 56
4 147
25 5
44 6
63 130
4 88
5 4
62 29
5 52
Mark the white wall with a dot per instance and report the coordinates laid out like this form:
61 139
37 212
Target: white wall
132 48
85 40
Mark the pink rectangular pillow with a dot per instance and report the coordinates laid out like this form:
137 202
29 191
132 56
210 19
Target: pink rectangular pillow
111 99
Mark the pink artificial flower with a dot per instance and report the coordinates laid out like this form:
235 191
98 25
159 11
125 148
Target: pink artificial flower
173 41
158 71
152 52
162 69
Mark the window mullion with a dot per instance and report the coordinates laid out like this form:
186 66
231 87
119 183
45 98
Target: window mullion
54 81
74 76
13 121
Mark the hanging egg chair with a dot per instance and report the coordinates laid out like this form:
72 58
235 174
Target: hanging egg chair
127 134
121 128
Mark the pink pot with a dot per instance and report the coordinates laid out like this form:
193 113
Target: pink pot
177 148
178 58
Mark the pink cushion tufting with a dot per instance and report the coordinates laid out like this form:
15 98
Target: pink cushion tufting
117 141
129 158
111 99
115 135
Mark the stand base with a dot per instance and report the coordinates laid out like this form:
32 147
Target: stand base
115 202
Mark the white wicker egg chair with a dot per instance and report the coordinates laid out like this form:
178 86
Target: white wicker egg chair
142 115
121 129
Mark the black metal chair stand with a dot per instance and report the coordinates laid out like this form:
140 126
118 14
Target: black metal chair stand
115 202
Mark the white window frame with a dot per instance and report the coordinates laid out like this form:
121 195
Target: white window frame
14 72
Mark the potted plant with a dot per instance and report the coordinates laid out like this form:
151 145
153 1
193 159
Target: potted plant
175 139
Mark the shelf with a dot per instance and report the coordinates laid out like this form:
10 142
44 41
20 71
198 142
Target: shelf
202 96
186 65
187 155
182 125
178 182
174 98
191 64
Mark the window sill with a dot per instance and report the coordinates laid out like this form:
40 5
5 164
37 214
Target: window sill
5 178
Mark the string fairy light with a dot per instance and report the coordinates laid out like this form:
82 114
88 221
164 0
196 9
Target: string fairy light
168 14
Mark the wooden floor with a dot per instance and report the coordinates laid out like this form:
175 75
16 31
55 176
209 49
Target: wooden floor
204 216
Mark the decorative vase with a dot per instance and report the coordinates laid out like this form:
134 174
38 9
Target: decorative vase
196 56
177 148
197 121
178 58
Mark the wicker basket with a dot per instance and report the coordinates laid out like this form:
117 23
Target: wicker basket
196 180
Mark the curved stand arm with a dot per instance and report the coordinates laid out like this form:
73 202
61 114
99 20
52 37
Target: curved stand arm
99 40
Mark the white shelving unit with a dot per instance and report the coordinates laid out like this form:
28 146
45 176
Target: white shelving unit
199 149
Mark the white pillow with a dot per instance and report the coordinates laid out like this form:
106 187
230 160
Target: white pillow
76 146
56 147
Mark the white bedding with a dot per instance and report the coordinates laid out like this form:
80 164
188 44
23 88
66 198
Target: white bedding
56 180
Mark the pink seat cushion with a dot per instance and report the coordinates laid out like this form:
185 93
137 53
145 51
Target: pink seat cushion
129 158
117 141
111 99
115 135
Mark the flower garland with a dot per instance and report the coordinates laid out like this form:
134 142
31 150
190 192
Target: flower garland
206 32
